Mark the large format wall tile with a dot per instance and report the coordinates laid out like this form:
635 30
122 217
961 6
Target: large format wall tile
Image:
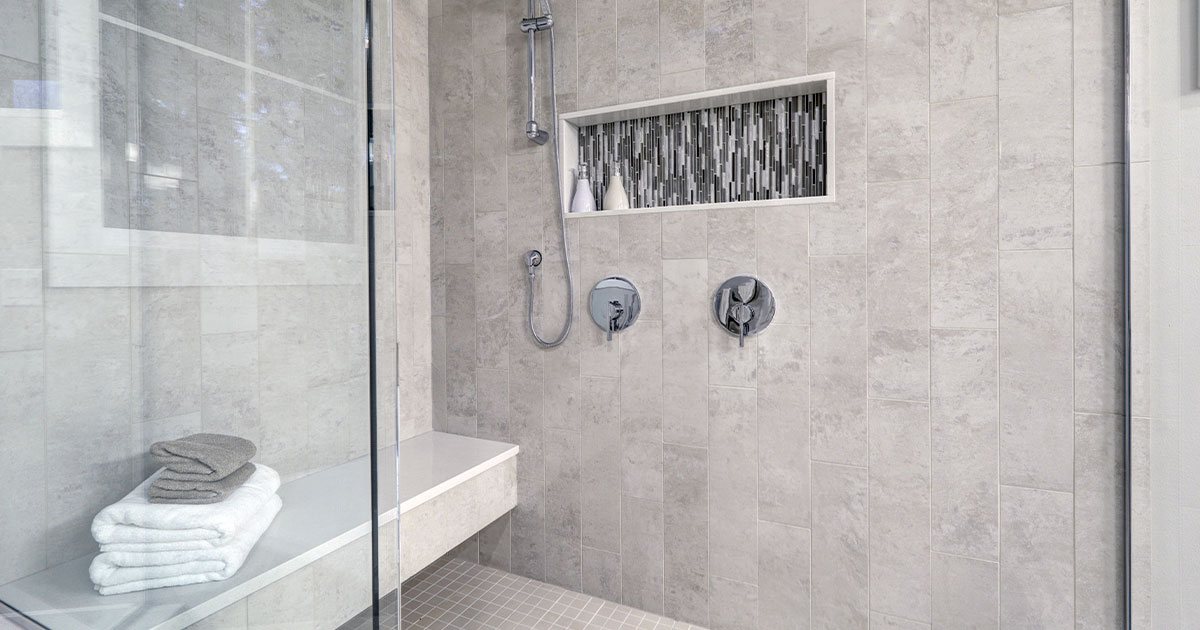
1036 394
963 212
840 571
1037 582
899 500
927 294
898 290
1035 129
965 441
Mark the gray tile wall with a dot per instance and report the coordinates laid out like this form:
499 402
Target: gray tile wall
924 437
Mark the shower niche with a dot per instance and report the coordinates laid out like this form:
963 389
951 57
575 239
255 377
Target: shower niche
754 145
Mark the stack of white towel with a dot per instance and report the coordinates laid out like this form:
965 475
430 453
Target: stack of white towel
148 545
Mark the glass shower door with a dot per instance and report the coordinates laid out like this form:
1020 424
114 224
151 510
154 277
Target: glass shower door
184 250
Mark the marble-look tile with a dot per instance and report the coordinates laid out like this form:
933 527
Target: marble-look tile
783 426
734 605
728 42
642 469
167 110
684 234
23 513
564 562
1099 289
898 289
1035 129
733 483
1037 581
525 413
840 572
731 252
686 527
602 574
23 328
528 528
1099 521
685 362
965 437
640 260
641 402
637 50
228 309
839 360
167 352
598 245
601 468
277 130
495 544
881 621
563 484
288 603
966 593
678 83
492 418
642 537
897 141
780 46
461 325
221 188
962 50
1099 81
681 37
897 51
493 299
343 580
1036 359
1006 7
835 22
221 27
784 561
900 483
840 228
230 384
963 212
597 44
781 244
490 143
23 389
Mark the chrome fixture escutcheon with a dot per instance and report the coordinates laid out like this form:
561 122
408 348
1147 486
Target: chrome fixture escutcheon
744 306
615 304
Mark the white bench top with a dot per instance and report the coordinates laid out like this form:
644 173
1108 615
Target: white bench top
321 513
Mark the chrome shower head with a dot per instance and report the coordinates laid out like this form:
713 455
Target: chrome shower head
535 134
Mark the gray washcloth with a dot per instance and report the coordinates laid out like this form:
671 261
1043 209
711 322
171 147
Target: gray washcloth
203 456
173 491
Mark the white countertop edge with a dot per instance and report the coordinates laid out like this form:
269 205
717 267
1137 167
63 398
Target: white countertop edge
266 578
456 480
261 581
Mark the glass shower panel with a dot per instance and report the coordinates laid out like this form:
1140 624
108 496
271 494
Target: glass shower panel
1164 168
183 249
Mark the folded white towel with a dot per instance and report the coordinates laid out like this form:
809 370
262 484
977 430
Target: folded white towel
128 571
134 520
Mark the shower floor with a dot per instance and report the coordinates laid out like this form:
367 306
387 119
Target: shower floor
455 594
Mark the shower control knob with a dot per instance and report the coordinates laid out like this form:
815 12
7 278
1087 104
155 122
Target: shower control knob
743 306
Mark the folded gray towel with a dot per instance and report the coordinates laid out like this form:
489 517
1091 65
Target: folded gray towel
198 492
203 456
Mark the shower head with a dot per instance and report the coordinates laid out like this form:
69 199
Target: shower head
535 134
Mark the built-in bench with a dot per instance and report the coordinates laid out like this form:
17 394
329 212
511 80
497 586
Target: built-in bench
450 487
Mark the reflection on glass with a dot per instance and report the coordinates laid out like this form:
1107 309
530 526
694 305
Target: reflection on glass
183 251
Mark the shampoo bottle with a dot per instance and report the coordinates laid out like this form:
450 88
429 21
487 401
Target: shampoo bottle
615 197
583 200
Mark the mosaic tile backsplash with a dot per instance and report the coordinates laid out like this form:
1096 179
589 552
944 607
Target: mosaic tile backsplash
773 149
